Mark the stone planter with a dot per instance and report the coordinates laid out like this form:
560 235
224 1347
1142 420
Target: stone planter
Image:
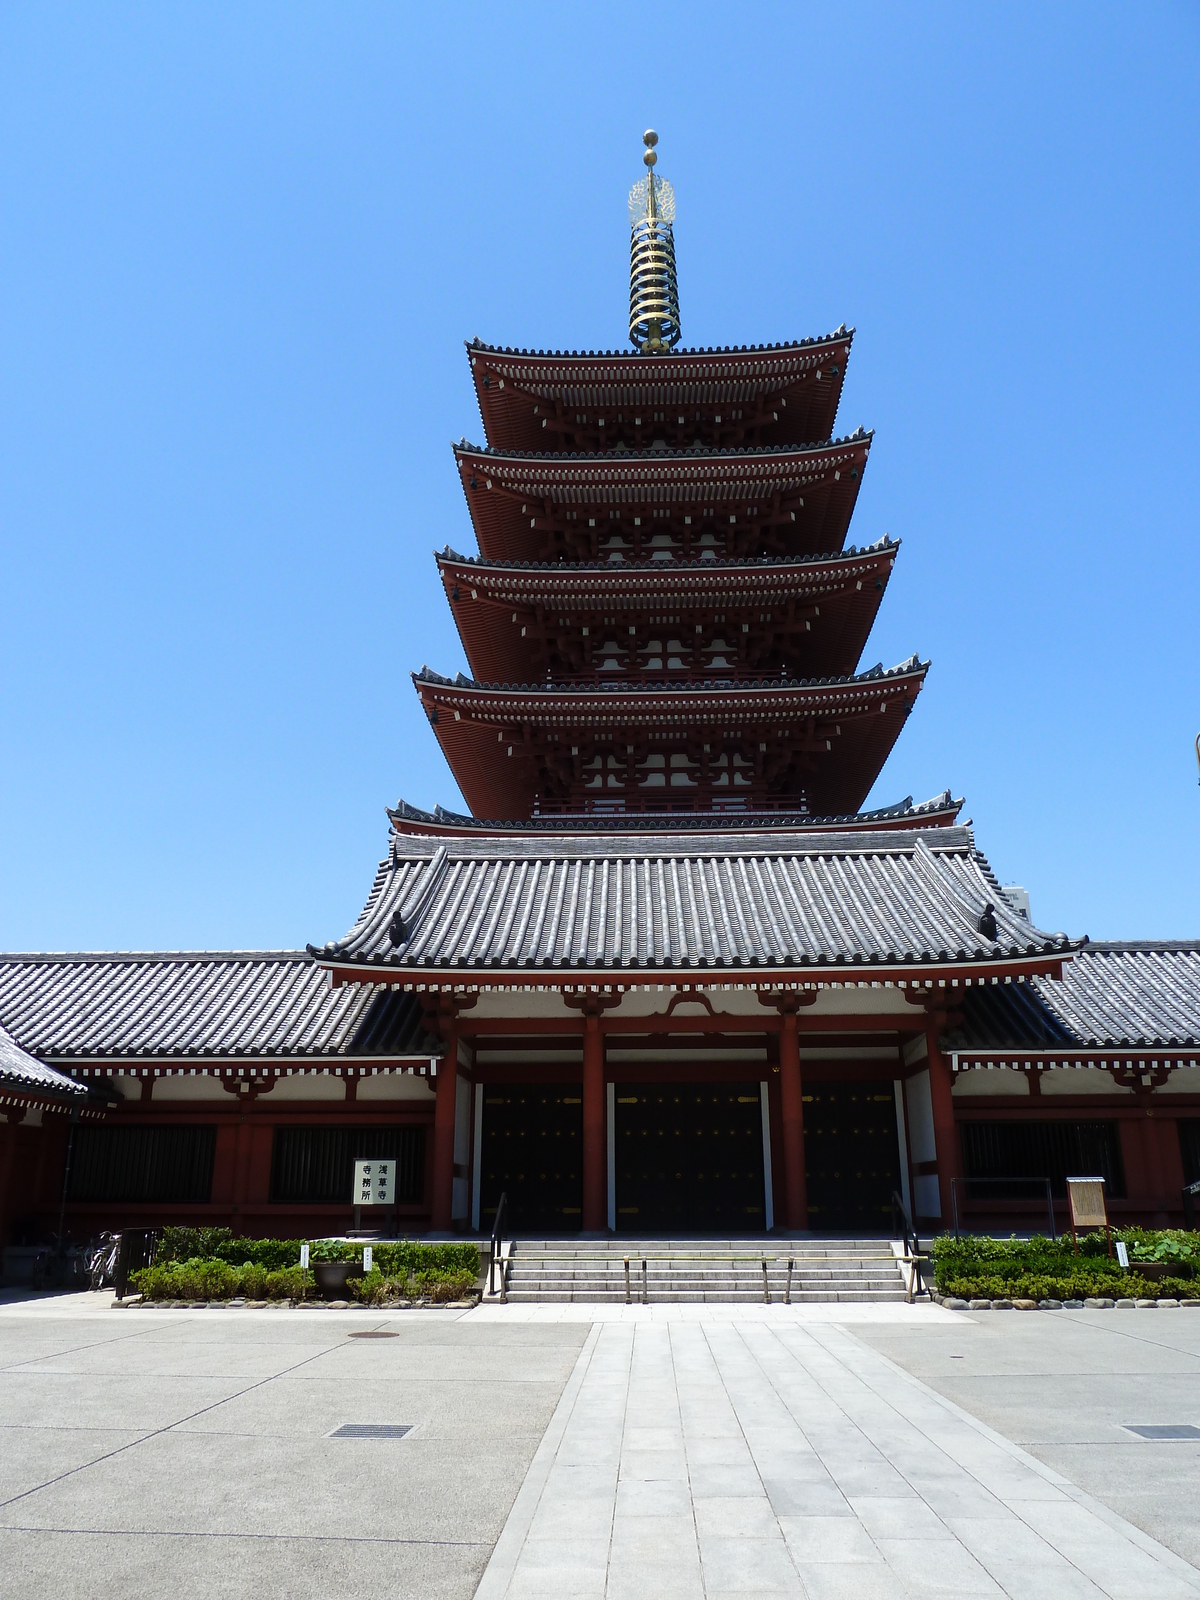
1156 1271
332 1277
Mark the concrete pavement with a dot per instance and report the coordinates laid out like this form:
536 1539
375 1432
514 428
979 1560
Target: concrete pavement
668 1451
145 1453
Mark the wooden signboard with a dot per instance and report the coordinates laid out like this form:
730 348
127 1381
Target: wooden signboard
1086 1198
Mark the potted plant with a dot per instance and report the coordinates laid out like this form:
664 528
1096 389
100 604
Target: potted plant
332 1277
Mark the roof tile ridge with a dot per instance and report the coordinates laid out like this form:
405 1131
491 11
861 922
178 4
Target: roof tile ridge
842 332
675 563
913 667
463 447
63 957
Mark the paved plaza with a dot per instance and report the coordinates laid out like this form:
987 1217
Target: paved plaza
596 1451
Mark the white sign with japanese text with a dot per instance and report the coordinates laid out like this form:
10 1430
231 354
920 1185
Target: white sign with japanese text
374 1183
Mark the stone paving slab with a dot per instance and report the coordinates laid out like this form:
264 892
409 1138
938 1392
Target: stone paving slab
782 1456
844 1313
1063 1384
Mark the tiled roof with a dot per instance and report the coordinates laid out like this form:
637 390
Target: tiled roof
658 569
403 814
733 453
21 1073
636 356
579 692
1111 995
607 904
200 1005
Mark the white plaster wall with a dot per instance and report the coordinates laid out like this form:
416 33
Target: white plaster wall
922 1146
1080 1080
916 1050
991 1081
200 1087
655 999
395 1086
927 1196
1183 1080
919 1103
309 1086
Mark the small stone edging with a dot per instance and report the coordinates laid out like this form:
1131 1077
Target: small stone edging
135 1302
1096 1304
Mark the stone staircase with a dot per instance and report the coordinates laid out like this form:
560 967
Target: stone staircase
702 1271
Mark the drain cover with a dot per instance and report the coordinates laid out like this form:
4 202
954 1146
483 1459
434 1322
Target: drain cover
1162 1430
374 1333
372 1430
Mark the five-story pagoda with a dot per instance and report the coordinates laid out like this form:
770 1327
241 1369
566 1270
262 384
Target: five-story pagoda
664 619
666 897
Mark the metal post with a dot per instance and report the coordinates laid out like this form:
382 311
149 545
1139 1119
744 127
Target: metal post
766 1285
627 1299
954 1203
1050 1209
787 1293
645 1285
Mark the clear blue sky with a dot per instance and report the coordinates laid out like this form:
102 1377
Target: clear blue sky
240 248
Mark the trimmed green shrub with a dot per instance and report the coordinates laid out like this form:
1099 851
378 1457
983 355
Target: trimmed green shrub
399 1260
976 1268
375 1288
216 1280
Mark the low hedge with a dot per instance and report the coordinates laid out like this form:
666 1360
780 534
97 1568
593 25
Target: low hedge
211 1279
377 1289
400 1260
975 1268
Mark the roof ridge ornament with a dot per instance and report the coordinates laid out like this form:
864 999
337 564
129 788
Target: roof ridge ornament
653 287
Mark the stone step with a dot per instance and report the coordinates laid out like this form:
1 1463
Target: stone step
703 1271
673 1296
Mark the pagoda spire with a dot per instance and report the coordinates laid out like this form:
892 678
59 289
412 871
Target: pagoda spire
653 288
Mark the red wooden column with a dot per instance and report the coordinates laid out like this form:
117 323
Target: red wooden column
791 1099
945 1134
791 1094
595 1146
443 1126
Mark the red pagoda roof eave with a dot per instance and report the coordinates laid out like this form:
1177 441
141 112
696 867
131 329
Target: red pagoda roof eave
745 569
659 460
914 976
635 700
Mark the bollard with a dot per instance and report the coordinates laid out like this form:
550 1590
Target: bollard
766 1284
645 1286
627 1299
787 1293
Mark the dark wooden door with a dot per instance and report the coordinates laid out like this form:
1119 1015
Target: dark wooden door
851 1155
532 1151
689 1158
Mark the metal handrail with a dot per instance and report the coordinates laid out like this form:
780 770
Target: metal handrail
499 1233
1190 1191
954 1183
902 1227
